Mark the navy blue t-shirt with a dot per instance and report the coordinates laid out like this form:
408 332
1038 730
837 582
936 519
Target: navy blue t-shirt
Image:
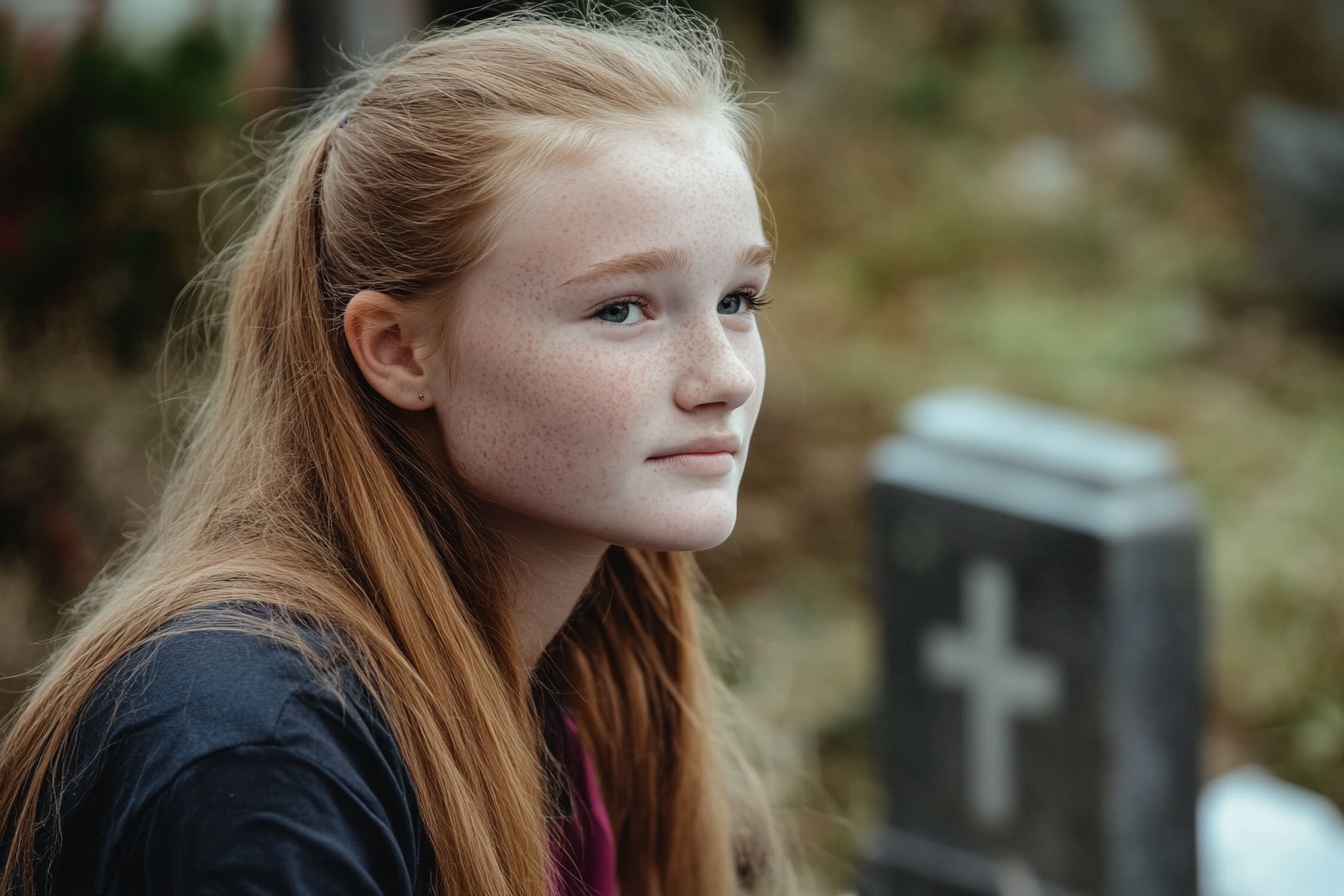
219 762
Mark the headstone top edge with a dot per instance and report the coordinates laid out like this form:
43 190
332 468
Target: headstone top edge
1131 510
1036 436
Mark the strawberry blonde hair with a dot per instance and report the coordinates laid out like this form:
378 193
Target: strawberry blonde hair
300 489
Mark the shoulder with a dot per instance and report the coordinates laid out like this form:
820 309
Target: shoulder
217 678
225 677
256 718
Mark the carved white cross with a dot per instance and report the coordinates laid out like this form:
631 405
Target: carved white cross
1000 682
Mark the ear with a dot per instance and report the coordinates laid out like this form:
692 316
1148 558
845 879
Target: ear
382 337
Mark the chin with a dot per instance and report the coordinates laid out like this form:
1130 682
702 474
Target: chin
689 535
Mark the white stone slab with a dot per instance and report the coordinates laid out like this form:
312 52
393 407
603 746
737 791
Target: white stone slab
1147 505
1037 437
1259 836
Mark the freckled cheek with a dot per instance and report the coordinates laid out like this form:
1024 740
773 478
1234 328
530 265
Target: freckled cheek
544 411
754 360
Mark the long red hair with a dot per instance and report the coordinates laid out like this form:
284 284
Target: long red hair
298 488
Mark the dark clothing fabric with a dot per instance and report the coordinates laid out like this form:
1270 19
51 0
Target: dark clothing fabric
216 761
219 762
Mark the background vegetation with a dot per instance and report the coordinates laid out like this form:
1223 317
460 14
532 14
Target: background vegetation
953 205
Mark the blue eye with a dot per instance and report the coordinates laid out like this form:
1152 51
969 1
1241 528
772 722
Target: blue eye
735 302
622 312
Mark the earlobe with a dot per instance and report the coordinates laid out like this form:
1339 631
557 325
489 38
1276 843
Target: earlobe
382 337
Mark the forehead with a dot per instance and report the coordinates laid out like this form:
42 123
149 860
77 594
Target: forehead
686 188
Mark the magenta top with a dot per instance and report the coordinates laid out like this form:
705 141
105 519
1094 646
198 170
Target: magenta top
583 850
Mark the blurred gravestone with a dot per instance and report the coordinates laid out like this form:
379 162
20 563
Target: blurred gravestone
1296 156
1108 43
1038 577
1332 18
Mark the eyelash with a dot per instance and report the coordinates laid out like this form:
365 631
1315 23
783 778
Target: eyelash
755 301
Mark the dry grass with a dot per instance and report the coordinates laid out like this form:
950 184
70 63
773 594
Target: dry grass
912 256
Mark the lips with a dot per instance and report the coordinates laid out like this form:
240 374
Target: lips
708 445
712 456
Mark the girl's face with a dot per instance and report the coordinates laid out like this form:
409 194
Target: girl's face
607 371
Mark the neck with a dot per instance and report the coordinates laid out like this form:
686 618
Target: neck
555 568
555 565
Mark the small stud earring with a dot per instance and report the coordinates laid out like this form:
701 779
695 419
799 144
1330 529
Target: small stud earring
422 396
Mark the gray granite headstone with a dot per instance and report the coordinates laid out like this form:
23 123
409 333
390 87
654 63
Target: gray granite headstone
1296 156
1038 579
1332 19
1109 44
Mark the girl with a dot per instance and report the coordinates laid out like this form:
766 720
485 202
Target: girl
412 616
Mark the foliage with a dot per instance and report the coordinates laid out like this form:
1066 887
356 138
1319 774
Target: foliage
918 247
98 148
1215 55
918 251
99 234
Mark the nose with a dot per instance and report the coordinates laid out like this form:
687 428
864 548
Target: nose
719 369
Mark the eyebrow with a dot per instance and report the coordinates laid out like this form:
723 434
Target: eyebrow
661 260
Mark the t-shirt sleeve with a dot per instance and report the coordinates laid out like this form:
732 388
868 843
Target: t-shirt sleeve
281 819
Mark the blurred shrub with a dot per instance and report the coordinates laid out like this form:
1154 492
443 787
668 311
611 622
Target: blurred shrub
41 513
1216 54
929 93
99 233
96 144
